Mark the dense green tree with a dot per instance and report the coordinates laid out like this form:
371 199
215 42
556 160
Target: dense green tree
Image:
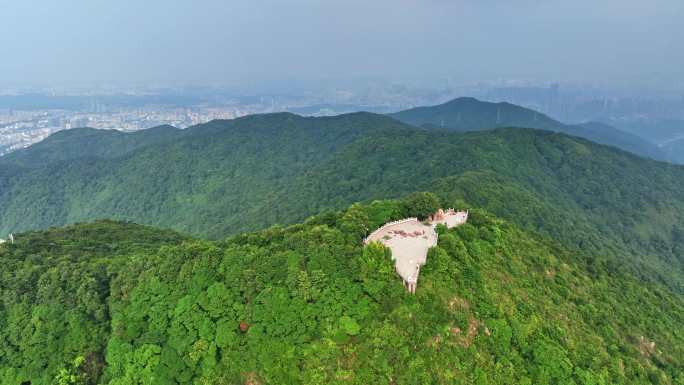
422 205
311 304
287 168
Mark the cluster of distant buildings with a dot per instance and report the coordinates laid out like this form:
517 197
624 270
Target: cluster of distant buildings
19 129
122 119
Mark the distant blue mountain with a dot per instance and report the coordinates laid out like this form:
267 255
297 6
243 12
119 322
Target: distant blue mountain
470 114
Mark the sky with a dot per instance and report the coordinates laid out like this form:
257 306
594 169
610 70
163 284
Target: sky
224 42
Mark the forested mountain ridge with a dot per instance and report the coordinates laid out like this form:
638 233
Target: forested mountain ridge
87 142
112 303
470 114
219 169
226 177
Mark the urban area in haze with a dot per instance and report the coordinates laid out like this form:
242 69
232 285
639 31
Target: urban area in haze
621 68
28 115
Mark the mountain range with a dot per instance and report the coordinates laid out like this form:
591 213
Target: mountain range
570 270
226 177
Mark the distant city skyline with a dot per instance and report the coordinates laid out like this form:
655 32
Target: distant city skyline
269 43
28 115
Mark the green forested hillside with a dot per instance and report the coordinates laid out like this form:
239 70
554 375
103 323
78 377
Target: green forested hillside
201 183
111 303
88 143
469 114
231 176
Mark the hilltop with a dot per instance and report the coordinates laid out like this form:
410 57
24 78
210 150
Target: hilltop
469 114
310 304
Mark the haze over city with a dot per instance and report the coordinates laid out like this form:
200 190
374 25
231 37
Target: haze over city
272 44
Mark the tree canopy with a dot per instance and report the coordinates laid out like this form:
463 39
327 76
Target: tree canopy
226 177
116 303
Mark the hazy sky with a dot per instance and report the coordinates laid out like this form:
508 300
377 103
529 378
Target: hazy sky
229 41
